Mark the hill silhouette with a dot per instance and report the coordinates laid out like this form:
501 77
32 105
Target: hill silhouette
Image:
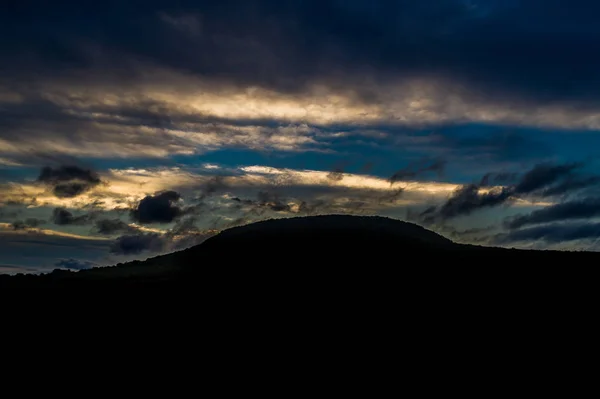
296 251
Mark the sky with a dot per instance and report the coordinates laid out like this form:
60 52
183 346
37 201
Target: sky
132 129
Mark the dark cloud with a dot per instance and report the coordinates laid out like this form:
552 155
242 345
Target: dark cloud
490 45
543 175
553 233
27 223
468 199
185 226
134 244
314 200
313 207
265 201
212 186
580 209
112 226
540 180
183 235
186 234
494 179
74 264
419 168
428 211
61 216
571 185
392 196
160 208
272 202
69 181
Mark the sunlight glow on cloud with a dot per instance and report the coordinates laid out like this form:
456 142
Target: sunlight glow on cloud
123 188
163 113
413 100
6 228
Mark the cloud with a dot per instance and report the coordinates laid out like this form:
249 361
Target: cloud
268 46
160 208
501 178
362 46
112 226
468 199
74 264
579 209
418 168
44 248
543 175
138 243
213 185
63 217
28 223
124 189
337 174
184 234
571 185
184 226
258 85
541 180
553 233
265 201
69 181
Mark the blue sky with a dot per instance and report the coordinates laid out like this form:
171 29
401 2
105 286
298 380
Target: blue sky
130 130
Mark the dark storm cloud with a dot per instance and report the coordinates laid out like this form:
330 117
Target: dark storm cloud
535 49
160 208
553 233
62 217
69 181
581 209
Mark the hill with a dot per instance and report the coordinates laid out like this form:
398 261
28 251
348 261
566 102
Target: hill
298 251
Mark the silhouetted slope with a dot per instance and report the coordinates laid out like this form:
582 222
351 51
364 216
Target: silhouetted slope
320 237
